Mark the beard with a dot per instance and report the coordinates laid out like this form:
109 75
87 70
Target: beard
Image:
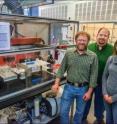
81 47
101 42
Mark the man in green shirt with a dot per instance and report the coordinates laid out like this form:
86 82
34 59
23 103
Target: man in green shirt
81 66
103 50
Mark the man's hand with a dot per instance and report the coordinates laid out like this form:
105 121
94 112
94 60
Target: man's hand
55 88
87 96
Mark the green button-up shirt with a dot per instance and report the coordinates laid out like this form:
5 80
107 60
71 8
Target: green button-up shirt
102 55
80 67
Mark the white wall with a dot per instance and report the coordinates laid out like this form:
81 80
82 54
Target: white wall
59 10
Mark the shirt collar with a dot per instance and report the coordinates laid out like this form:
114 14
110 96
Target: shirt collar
85 53
97 46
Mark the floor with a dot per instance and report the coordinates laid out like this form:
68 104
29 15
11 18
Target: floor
91 117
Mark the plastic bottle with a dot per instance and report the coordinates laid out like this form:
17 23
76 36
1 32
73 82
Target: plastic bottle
36 107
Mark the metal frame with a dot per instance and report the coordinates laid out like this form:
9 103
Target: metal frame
16 19
10 99
32 19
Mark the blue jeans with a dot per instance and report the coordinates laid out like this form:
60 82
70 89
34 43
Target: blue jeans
111 113
69 95
98 104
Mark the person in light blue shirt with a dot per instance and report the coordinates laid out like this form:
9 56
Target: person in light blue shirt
109 88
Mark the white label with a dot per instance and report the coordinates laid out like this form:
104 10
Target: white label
4 36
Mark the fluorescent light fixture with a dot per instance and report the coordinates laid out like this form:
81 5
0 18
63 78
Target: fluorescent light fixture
36 2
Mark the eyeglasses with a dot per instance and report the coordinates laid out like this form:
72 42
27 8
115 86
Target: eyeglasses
81 40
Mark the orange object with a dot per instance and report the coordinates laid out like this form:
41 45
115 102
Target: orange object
18 57
62 46
25 40
56 66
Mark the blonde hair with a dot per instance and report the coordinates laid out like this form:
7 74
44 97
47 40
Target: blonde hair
104 29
